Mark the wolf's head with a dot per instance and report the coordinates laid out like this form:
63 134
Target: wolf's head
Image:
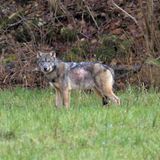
47 62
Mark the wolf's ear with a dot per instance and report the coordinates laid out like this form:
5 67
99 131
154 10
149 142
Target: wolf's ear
52 54
39 54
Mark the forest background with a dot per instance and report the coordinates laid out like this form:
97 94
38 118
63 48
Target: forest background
122 33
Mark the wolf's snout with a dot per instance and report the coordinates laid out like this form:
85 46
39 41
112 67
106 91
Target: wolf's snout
45 69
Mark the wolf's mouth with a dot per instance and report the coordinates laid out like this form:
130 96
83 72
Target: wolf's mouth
49 70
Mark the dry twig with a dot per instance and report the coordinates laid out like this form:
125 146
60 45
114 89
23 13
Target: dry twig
126 13
91 14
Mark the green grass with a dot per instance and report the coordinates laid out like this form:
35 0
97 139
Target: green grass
31 128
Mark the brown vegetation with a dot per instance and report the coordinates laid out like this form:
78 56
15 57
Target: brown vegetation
77 30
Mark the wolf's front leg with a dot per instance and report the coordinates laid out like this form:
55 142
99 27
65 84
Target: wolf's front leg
59 100
66 98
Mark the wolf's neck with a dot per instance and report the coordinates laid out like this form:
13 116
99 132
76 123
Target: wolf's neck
58 72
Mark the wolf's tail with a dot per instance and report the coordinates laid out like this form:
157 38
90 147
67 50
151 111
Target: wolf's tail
125 71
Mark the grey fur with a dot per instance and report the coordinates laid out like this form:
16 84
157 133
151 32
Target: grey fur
71 75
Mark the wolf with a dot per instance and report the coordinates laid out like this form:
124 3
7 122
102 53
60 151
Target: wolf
65 76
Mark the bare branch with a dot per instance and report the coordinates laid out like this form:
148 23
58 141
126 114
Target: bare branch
91 14
133 18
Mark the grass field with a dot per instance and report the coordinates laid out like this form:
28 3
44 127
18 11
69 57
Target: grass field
31 128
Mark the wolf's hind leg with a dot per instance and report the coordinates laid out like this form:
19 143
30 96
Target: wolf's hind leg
106 83
109 93
105 99
113 97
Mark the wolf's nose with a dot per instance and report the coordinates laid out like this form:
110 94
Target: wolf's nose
45 69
